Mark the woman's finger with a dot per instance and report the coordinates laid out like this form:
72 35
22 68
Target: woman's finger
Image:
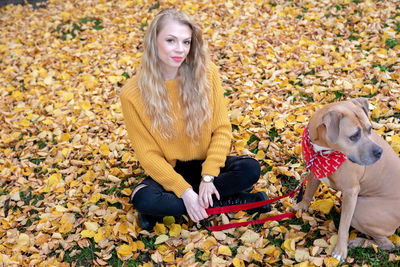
210 201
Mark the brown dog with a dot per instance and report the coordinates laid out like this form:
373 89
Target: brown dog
369 177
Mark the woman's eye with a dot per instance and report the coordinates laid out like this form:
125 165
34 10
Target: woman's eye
170 40
355 137
186 42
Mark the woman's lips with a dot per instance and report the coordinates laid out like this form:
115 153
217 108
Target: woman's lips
177 59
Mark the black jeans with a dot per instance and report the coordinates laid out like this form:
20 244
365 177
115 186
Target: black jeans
238 174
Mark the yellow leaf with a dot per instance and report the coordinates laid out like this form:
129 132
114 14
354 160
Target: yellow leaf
209 243
238 262
160 228
123 228
175 230
23 240
301 118
85 105
48 121
161 239
65 137
272 178
170 257
323 205
92 226
260 155
95 197
68 96
104 150
279 124
126 191
224 250
24 123
124 250
239 145
395 239
140 245
17 95
87 233
99 236
256 256
331 262
396 139
115 79
89 176
126 156
168 220
65 16
86 189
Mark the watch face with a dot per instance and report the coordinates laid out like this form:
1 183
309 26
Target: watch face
207 178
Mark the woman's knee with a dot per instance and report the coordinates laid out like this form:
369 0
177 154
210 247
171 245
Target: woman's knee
250 168
141 198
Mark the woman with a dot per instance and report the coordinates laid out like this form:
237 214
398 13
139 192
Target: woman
177 121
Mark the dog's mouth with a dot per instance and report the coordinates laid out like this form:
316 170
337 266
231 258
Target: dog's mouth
365 162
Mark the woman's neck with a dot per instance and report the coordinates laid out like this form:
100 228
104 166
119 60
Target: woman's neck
169 73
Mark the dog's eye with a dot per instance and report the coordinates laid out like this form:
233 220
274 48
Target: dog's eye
356 136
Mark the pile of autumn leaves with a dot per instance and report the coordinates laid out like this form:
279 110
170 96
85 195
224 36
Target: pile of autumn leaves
66 166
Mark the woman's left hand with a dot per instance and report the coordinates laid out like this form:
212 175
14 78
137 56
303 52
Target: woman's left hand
206 191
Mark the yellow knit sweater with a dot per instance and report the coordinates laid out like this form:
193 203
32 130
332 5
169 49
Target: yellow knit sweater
157 155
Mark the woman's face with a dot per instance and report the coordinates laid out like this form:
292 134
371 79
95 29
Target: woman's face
173 44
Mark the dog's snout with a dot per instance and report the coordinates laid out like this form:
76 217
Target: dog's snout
377 152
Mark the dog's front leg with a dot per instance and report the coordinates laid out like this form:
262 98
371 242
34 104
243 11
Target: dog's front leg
349 202
311 188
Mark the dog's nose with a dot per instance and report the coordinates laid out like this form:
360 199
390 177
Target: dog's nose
377 152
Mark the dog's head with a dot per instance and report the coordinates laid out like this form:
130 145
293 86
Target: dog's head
345 127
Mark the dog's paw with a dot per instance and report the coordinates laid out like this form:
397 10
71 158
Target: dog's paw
300 206
340 253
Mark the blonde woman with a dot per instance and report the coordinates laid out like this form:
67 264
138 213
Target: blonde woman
177 121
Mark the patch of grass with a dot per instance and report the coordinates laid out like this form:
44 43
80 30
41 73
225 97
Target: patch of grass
392 42
369 256
114 260
227 93
199 256
155 6
273 133
308 98
72 30
148 241
36 161
83 257
339 95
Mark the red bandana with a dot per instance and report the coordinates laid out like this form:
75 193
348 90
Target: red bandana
321 163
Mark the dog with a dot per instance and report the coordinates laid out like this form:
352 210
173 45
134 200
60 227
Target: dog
367 173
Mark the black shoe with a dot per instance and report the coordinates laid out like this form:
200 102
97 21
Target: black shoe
147 222
244 198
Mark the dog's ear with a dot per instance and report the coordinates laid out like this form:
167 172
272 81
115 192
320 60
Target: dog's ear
331 122
363 103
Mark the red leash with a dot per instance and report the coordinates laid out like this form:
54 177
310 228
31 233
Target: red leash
247 206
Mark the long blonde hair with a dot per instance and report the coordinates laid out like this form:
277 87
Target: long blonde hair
192 77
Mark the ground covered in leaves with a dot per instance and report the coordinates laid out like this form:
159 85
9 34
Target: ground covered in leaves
66 165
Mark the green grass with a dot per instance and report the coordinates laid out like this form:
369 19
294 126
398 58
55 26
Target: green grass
369 256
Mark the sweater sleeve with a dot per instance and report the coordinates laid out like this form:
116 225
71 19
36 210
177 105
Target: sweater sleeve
148 151
220 127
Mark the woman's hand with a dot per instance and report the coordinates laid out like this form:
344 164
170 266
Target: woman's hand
206 191
194 209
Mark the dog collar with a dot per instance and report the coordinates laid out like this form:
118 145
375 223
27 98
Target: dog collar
322 162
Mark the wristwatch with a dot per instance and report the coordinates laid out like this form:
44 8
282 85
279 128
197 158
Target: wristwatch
207 178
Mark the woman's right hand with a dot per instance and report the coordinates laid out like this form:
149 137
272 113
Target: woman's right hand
194 209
